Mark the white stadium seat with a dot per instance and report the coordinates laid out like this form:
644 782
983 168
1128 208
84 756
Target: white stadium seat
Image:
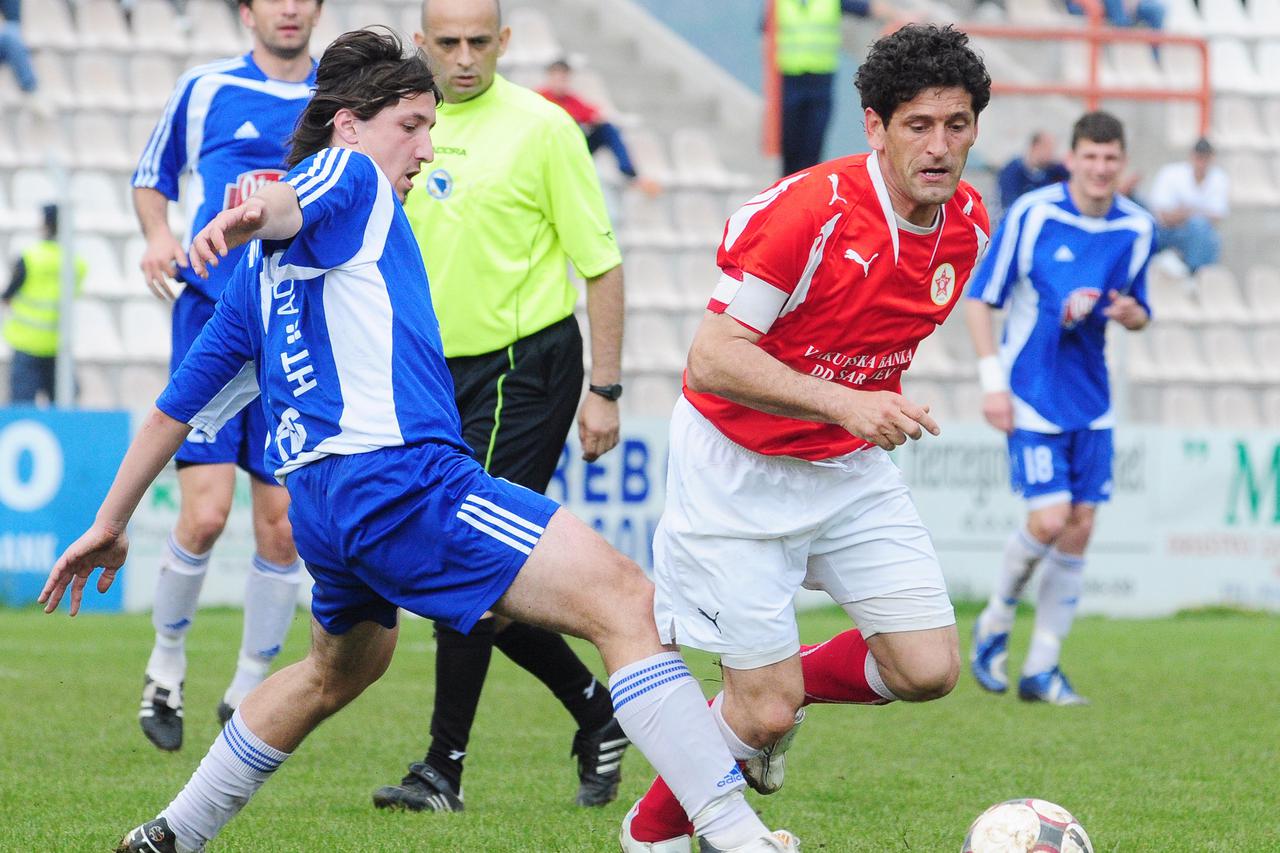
648 155
100 82
95 338
1231 68
1233 407
1266 342
1177 352
145 326
1262 285
654 342
645 221
100 141
1219 296
48 24
699 219
1228 356
216 28
152 77
103 278
1183 407
156 27
533 41
1264 18
1181 16
54 87
650 283
98 204
100 24
1271 407
1225 18
95 387
696 274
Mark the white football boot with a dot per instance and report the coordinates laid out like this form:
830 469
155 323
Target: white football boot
778 841
765 772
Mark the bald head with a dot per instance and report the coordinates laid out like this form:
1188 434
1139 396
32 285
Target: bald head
463 40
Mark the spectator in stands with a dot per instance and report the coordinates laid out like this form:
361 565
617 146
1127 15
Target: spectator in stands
34 300
1127 13
1189 199
12 48
558 88
807 53
1038 168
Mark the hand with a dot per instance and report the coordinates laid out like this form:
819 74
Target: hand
161 261
228 230
597 426
1126 311
886 419
101 545
997 408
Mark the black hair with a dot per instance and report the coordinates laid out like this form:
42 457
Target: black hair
1098 126
364 71
903 64
49 218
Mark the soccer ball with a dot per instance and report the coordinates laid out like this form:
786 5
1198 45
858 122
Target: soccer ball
1026 826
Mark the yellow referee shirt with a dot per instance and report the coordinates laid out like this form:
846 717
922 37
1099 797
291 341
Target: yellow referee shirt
510 199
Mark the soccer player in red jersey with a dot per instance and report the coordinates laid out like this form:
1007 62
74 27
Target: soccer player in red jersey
778 475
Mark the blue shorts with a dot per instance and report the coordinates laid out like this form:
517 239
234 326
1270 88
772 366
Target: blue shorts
1073 466
241 440
421 527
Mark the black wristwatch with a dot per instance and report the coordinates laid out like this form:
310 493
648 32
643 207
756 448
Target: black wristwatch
609 392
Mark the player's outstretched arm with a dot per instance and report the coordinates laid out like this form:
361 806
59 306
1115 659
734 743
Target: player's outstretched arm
105 544
725 360
272 213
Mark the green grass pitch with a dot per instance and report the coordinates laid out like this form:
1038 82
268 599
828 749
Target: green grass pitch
1179 752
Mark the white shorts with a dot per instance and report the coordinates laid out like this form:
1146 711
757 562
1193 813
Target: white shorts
742 532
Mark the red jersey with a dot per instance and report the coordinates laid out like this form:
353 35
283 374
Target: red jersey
578 109
839 288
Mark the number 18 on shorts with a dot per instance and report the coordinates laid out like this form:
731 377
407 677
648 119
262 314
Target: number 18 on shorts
1073 466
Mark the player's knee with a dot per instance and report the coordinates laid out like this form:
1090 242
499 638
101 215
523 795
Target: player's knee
202 525
928 679
1047 528
775 716
274 537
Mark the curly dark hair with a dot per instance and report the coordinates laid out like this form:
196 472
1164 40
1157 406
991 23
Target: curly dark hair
917 57
1097 126
364 71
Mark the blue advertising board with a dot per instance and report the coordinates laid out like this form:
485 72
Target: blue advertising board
55 468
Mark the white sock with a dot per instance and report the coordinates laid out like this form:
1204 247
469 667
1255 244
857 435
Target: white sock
1055 609
871 671
738 748
662 710
1021 553
270 601
231 772
177 592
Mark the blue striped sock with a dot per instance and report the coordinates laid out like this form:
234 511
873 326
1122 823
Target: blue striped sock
231 772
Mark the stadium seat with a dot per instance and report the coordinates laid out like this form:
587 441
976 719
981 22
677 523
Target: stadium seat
1264 18
1219 296
1225 18
41 141
96 339
103 278
1252 184
100 141
699 219
650 283
645 221
1232 70
1271 407
100 25
156 28
95 387
1266 342
1182 120
648 155
591 87
1177 354
932 359
1237 125
54 85
145 325
1136 358
328 29
1233 407
1169 298
697 160
1227 353
370 14
533 41
98 204
1268 61
654 342
696 276
100 82
140 385
1183 407
32 190
1262 285
48 24
1182 16
216 28
1131 66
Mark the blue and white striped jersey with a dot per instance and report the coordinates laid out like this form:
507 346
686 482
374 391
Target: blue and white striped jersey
334 325
228 125
1054 268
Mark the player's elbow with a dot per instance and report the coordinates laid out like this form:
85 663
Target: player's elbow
701 372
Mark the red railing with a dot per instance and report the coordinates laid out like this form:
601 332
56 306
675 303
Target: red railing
1096 34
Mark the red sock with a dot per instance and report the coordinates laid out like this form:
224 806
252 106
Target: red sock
660 816
835 671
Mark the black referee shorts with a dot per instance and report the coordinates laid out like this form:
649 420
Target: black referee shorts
518 403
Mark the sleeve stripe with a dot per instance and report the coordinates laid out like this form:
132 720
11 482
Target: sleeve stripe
726 288
340 165
317 165
756 304
148 172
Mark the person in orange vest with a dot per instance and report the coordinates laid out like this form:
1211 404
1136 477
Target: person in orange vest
33 303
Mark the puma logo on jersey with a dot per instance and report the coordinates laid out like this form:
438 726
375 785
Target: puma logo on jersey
247 131
835 190
1064 254
852 255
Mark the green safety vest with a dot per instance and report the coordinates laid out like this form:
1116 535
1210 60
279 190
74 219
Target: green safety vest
808 36
32 324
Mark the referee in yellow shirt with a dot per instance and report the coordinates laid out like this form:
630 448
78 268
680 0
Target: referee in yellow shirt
510 200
